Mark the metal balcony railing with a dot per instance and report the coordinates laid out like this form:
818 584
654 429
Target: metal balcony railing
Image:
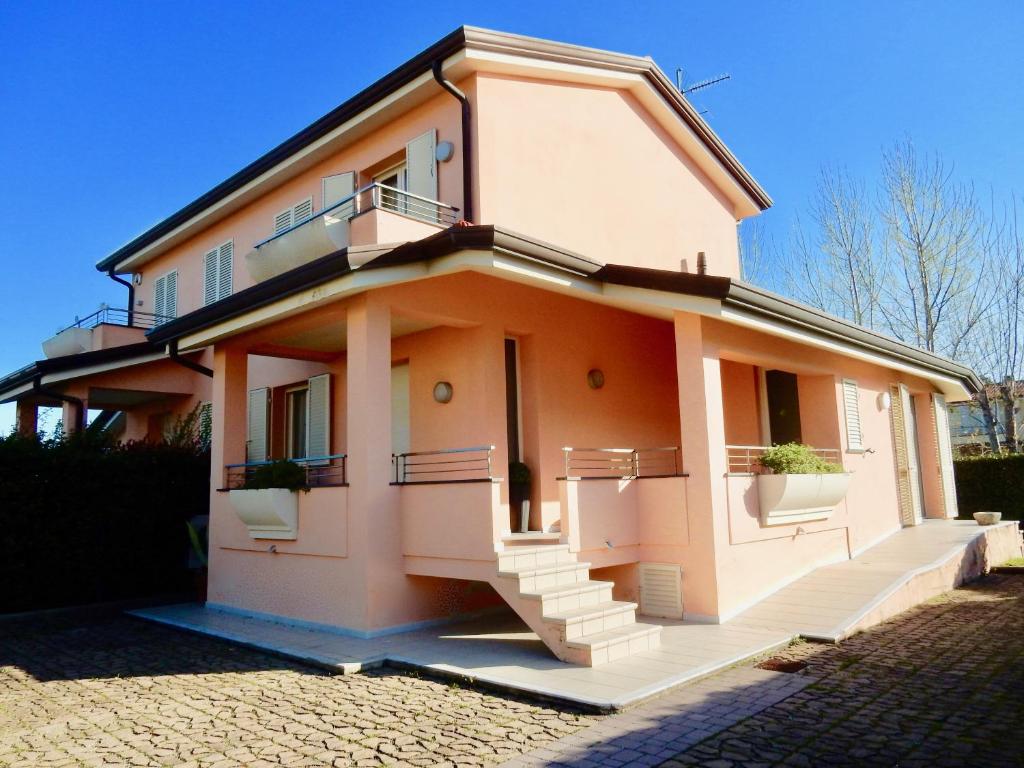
621 463
452 465
743 459
321 471
386 198
130 318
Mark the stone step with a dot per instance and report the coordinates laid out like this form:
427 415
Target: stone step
591 620
532 578
567 597
613 644
531 539
534 557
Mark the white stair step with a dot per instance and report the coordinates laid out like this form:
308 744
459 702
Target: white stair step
515 558
566 597
532 538
533 578
614 644
591 620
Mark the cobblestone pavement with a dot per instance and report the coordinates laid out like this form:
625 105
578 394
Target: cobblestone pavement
117 691
941 685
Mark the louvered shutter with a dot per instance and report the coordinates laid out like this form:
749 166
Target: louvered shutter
210 271
944 447
160 298
171 302
256 431
421 173
661 590
205 423
283 220
225 257
318 418
335 189
302 211
851 404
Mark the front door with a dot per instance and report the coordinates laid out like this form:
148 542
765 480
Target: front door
944 446
400 408
904 431
514 429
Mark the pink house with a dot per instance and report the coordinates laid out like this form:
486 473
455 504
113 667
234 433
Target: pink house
506 250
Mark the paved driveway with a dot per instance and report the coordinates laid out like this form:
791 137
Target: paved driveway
942 685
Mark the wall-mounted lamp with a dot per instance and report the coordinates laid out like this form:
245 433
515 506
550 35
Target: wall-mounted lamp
137 278
884 401
444 152
595 378
443 392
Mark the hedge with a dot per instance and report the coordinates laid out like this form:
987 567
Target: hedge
86 521
993 483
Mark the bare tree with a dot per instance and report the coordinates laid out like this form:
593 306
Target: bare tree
837 266
935 236
999 341
756 254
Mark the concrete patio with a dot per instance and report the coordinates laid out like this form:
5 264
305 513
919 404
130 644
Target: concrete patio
907 568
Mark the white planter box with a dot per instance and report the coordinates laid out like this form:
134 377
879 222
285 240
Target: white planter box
269 513
800 498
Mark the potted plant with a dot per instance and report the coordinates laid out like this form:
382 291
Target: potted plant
268 502
519 481
799 485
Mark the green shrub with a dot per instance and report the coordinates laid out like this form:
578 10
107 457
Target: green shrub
86 520
796 459
278 474
991 483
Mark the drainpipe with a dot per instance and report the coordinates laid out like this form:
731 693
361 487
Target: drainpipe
131 295
172 352
467 139
37 388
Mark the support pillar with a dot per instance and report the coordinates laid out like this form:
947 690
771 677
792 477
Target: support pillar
702 436
73 416
229 402
26 417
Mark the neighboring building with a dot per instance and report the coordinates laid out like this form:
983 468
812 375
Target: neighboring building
335 305
967 422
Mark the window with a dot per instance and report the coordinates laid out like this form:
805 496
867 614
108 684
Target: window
217 265
395 178
297 214
851 405
297 422
781 401
165 297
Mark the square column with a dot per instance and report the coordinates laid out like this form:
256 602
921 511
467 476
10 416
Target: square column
26 417
702 436
73 416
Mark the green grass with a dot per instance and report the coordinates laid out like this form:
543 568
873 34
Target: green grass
1017 562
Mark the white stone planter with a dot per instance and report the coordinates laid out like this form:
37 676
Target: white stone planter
269 513
988 518
800 498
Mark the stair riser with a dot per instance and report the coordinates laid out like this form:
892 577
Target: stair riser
590 626
558 603
512 560
561 578
613 651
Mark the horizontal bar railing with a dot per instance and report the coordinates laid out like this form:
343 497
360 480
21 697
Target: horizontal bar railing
744 459
623 463
378 195
321 471
130 318
450 465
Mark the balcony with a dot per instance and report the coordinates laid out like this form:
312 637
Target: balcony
373 214
104 328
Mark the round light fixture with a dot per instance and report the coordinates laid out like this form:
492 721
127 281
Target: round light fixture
445 151
595 378
884 401
443 392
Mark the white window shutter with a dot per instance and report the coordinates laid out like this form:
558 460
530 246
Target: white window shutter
283 220
318 418
225 258
210 270
944 447
256 431
851 405
661 590
160 297
421 165
335 189
302 210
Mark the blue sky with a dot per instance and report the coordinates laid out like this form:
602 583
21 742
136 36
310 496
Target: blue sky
116 114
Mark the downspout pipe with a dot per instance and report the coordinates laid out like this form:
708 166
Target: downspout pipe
131 295
467 140
172 353
37 388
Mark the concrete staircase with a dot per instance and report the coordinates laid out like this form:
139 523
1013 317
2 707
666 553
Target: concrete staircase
574 616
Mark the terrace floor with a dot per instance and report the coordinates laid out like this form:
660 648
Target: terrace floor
499 650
